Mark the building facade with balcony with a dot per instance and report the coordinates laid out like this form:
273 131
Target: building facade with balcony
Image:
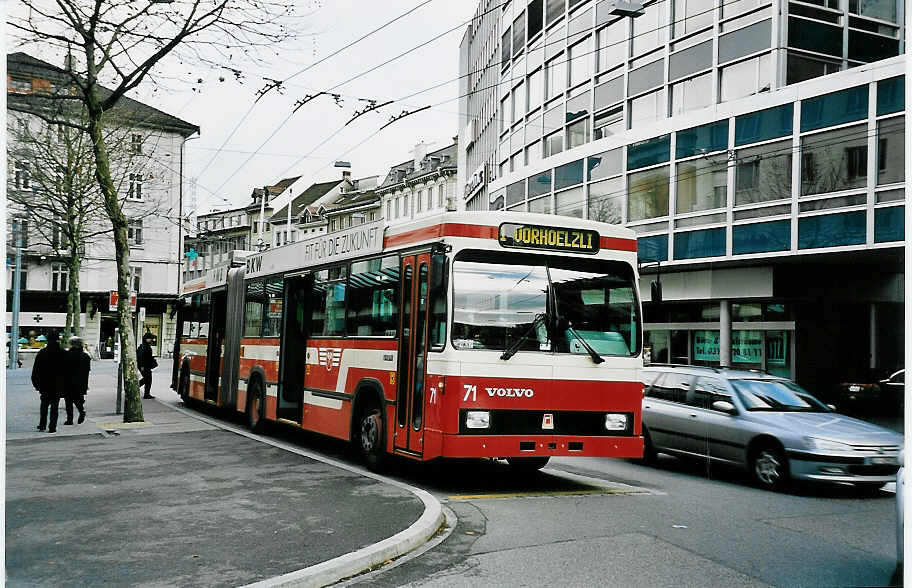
424 185
146 163
756 147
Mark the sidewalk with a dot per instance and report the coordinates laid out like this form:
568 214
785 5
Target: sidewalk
177 501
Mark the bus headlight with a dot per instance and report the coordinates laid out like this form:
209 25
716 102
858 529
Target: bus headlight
615 421
478 419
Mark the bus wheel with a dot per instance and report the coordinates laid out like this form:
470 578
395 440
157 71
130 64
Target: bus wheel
183 387
255 405
527 465
370 438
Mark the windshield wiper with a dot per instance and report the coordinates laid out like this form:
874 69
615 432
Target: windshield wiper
596 358
512 349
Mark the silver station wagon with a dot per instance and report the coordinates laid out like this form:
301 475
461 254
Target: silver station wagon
767 424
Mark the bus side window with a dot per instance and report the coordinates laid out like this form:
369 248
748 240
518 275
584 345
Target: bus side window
253 310
438 302
372 305
272 322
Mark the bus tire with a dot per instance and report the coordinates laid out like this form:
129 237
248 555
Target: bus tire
370 440
256 404
183 386
527 465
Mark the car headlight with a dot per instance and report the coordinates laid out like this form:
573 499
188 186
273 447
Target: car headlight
826 445
615 421
478 419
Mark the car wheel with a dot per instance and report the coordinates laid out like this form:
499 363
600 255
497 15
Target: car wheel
527 465
650 455
769 467
370 439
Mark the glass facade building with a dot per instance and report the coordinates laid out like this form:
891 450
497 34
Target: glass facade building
740 139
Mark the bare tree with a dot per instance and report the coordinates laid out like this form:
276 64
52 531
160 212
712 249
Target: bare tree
116 46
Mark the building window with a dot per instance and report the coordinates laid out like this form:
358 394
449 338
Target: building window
606 201
648 194
578 133
612 45
609 122
535 89
134 192
647 108
702 185
59 275
763 173
441 198
23 175
580 60
430 198
136 142
891 150
135 278
800 67
135 231
419 198
389 209
745 78
691 94
834 160
556 74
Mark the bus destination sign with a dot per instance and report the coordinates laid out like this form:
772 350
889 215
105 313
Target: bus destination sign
525 236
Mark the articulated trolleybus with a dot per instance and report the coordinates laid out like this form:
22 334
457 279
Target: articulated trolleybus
498 335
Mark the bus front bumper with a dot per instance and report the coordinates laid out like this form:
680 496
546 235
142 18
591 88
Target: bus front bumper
540 446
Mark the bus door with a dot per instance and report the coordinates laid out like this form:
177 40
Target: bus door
216 340
295 332
412 353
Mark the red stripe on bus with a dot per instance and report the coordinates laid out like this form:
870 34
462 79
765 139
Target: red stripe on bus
483 232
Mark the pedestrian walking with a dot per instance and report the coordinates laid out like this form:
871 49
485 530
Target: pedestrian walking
78 366
146 363
49 377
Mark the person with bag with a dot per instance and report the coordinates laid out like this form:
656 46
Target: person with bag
145 362
79 365
49 377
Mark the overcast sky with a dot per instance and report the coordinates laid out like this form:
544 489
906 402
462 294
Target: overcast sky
219 106
227 177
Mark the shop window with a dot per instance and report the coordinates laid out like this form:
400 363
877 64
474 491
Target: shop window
578 133
745 78
612 44
605 164
891 95
580 61
703 139
611 92
373 297
646 77
763 173
647 108
834 109
649 152
606 201
515 193
800 67
535 14
743 42
540 184
653 248
761 237
569 174
647 194
705 243
834 160
690 60
692 94
891 152
691 15
570 202
778 354
702 184
889 224
831 230
764 124
868 47
815 36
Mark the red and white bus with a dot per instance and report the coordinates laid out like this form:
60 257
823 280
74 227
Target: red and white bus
500 335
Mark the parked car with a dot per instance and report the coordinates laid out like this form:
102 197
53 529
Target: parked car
873 394
766 424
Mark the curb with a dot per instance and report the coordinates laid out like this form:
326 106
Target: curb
356 562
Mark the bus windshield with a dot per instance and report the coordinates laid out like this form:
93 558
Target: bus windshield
496 304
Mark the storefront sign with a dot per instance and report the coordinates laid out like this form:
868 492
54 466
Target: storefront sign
746 347
113 297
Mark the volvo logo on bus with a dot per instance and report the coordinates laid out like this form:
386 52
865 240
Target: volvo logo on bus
511 392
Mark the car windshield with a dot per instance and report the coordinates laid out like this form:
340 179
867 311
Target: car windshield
776 395
496 304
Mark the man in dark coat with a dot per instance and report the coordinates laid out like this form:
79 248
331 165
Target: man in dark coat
145 362
49 377
79 365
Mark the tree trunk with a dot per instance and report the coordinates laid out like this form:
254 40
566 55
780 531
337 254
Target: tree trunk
133 411
74 295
